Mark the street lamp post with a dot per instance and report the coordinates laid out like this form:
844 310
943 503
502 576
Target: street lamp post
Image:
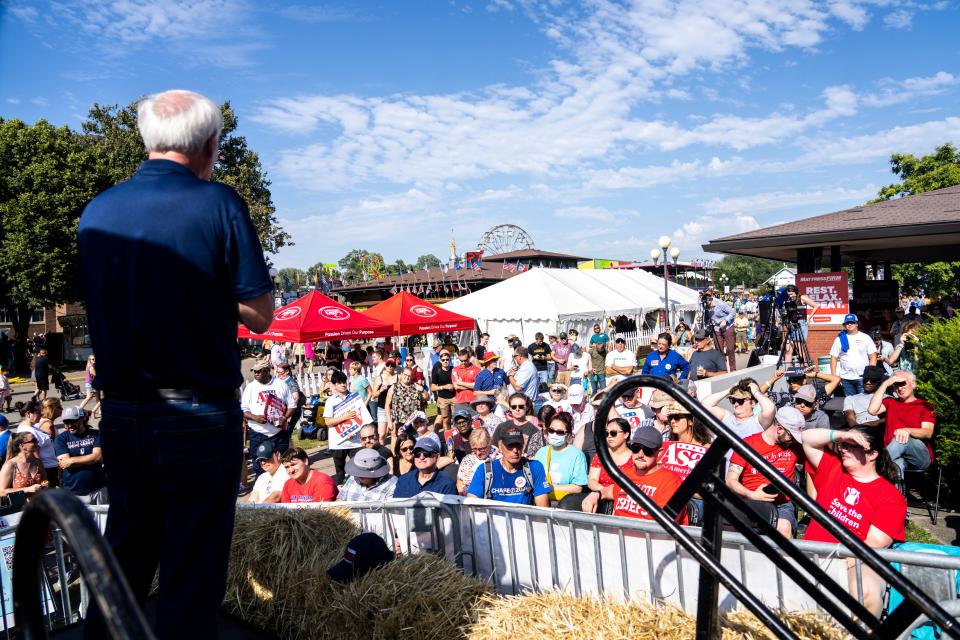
657 254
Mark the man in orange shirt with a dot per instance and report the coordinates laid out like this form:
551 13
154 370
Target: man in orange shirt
463 378
652 479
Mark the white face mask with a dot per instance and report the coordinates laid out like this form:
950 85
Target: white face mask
556 440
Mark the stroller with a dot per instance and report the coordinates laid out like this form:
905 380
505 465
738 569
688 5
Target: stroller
66 389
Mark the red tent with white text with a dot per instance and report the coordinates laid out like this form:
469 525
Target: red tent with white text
317 318
408 315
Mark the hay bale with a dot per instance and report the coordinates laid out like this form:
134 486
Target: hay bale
277 581
563 616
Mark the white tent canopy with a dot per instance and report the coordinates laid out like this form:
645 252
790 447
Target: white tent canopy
553 300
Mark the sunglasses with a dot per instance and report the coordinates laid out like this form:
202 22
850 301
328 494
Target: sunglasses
897 385
849 446
647 451
368 437
736 401
423 454
802 403
556 390
614 434
518 406
28 442
406 449
557 433
515 445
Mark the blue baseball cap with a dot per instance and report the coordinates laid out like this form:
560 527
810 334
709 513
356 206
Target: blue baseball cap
265 451
429 443
851 317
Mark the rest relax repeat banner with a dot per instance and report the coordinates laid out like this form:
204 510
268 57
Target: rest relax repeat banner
830 291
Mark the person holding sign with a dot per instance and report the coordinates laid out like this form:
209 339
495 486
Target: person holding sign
345 415
267 406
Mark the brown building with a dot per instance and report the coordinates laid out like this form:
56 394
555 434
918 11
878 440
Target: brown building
65 326
440 284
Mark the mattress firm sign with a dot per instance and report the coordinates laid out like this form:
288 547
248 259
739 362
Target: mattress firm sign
830 291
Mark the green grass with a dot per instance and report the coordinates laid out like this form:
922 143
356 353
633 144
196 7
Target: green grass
916 533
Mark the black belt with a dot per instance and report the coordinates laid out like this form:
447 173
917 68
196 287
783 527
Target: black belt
172 395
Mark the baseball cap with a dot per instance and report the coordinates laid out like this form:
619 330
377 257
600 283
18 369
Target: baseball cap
700 334
660 399
647 437
265 451
465 415
563 334
575 394
806 392
575 347
427 444
413 417
512 435
367 463
677 409
261 363
851 317
620 339
72 413
871 372
791 420
365 552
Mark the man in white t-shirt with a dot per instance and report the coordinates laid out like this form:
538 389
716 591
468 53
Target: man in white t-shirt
345 415
267 406
850 353
269 484
620 362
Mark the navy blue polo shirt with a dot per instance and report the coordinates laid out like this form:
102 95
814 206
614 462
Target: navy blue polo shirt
81 480
165 258
408 485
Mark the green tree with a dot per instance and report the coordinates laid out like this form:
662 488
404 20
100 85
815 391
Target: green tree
937 382
48 176
292 279
427 260
933 171
113 132
751 272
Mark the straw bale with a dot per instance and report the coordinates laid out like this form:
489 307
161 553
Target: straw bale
563 616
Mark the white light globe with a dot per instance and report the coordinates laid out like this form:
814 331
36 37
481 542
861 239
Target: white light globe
675 253
664 242
654 254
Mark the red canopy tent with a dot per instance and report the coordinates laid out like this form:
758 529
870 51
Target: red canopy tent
408 315
317 318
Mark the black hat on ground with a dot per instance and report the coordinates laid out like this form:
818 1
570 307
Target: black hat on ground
365 552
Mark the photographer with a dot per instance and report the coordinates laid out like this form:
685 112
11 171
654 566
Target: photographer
721 315
800 307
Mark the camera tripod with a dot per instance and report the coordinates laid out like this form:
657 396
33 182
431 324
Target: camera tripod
702 321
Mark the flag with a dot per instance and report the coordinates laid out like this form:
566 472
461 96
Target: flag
512 268
393 291
522 267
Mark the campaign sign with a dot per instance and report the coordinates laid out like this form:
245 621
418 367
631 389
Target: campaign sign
830 291
349 428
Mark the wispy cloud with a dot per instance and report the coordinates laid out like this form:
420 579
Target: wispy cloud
318 13
771 201
896 92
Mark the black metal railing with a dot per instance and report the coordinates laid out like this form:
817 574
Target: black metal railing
721 504
121 615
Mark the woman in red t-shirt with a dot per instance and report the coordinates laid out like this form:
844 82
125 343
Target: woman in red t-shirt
617 433
857 488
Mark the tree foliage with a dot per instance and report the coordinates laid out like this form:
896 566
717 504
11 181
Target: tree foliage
359 264
937 382
918 175
752 272
113 132
48 176
427 260
292 279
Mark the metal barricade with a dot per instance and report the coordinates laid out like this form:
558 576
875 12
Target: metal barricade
720 503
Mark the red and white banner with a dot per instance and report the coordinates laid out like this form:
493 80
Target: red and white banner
830 291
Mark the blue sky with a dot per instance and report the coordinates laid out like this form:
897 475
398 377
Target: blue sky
597 126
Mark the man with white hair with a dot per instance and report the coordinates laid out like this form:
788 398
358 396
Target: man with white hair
909 424
169 258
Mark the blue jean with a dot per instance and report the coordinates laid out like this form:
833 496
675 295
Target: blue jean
911 455
172 478
851 387
281 442
597 381
543 377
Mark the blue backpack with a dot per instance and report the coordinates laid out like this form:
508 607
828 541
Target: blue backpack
929 580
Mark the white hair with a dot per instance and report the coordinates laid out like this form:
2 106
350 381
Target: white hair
178 120
910 374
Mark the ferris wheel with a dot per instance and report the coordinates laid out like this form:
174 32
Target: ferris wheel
504 238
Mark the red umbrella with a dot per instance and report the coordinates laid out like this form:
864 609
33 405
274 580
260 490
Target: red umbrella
317 318
409 316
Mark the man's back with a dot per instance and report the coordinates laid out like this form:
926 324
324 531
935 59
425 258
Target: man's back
165 259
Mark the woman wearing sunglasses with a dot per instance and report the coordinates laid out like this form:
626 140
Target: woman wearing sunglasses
857 486
598 480
652 479
565 465
403 453
22 471
518 416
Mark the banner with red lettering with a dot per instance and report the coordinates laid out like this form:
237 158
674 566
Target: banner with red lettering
830 291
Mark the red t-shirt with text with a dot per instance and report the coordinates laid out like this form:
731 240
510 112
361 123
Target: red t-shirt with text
660 485
907 415
856 505
319 487
783 460
680 457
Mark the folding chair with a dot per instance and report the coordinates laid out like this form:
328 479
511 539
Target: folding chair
934 469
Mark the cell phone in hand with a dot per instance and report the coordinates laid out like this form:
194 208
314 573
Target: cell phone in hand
770 490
